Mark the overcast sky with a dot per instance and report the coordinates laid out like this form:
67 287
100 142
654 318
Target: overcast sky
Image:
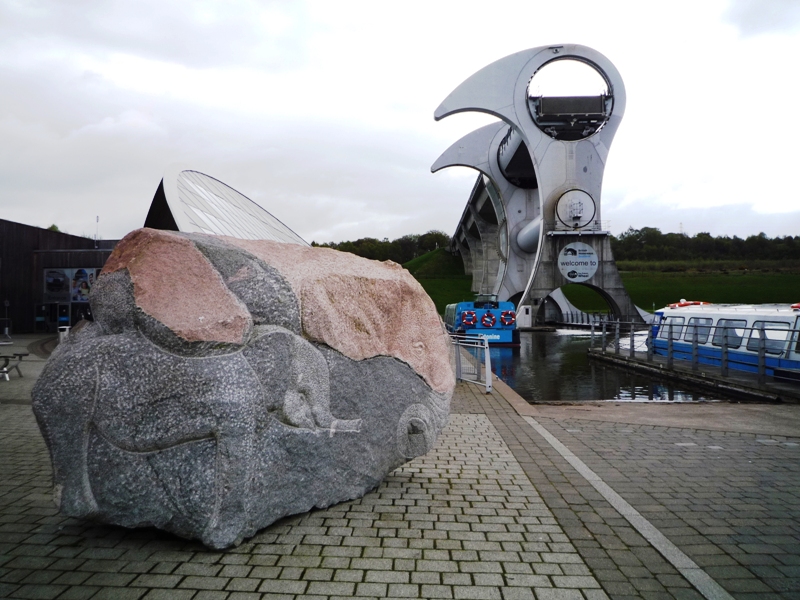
322 112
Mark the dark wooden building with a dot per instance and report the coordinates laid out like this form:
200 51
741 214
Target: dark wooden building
45 276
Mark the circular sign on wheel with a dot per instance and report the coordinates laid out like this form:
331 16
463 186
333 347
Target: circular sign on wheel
577 262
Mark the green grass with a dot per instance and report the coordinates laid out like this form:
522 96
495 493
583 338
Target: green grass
649 289
442 276
709 266
649 283
437 264
584 298
736 287
447 291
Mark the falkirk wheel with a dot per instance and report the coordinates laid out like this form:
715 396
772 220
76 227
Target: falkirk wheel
532 223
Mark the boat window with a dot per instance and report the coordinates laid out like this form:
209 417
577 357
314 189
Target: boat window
776 333
734 329
677 327
797 334
703 327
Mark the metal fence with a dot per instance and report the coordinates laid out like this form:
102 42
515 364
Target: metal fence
471 360
758 342
577 317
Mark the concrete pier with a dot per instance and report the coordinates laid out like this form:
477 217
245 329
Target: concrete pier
595 500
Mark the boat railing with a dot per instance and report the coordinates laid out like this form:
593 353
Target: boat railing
471 360
738 348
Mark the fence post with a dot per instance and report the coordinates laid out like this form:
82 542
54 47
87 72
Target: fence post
724 360
591 343
457 348
695 362
762 356
631 351
650 342
488 358
616 338
670 356
603 339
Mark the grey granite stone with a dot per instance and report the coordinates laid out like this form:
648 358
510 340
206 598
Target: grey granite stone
212 439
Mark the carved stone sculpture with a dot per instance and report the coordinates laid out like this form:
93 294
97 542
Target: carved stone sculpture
227 383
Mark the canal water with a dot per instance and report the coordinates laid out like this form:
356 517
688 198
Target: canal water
555 367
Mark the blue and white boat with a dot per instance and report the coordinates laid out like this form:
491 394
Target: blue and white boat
738 327
484 317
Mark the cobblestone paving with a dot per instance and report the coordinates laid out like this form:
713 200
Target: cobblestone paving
462 522
730 501
622 561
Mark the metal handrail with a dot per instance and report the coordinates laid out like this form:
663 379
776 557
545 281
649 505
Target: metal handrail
709 332
471 360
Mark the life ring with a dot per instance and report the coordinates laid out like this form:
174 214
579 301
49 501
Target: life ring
508 317
468 317
488 319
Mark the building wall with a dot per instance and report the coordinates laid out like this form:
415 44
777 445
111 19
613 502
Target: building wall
25 253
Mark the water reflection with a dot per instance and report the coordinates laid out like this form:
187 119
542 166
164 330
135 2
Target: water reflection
553 367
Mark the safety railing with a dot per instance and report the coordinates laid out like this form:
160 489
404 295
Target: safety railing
620 336
578 317
471 360
733 347
559 227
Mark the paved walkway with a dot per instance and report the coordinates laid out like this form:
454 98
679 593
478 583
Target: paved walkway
515 501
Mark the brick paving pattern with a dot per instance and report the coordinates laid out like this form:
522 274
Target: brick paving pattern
728 500
462 522
494 511
618 556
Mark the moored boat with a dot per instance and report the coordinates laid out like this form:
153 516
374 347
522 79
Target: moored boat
484 317
744 331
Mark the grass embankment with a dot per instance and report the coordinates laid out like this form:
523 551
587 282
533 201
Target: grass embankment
660 283
650 284
442 276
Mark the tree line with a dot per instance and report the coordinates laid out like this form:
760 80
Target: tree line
401 250
649 244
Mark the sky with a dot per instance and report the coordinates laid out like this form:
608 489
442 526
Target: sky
322 112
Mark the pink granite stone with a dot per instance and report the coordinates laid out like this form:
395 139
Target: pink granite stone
362 308
175 284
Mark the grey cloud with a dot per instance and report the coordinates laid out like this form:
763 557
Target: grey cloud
735 219
192 33
76 149
765 16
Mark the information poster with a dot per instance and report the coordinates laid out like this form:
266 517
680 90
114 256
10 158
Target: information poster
57 285
68 285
